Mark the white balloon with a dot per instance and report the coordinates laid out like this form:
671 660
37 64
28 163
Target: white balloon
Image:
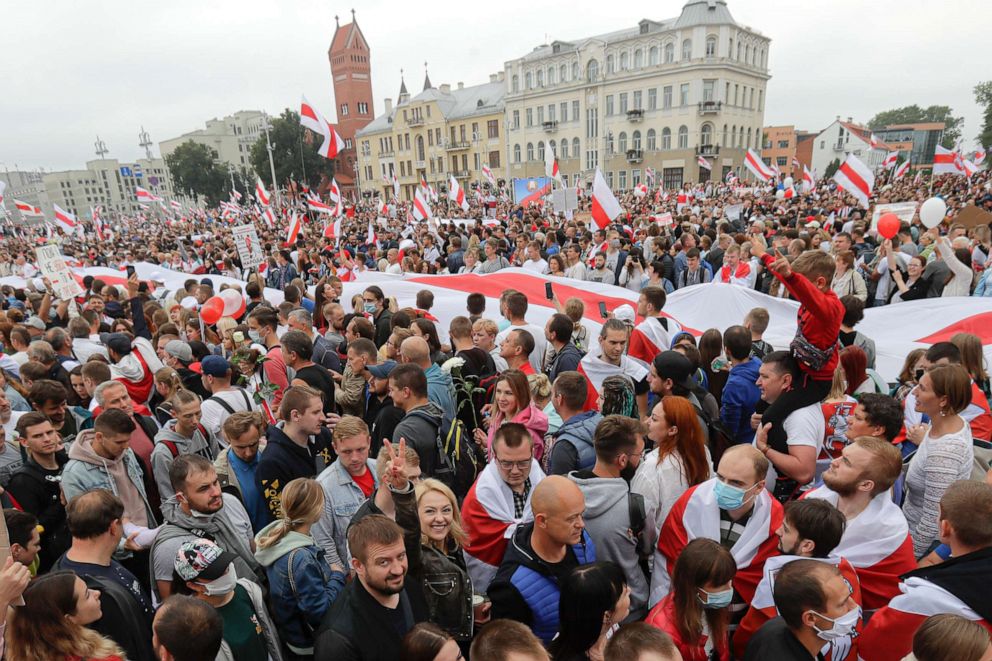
779 194
932 212
788 182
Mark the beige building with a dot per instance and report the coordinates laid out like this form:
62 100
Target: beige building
108 183
438 133
231 137
656 95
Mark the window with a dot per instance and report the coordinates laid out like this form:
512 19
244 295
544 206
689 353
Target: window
666 97
363 108
494 158
430 138
530 151
671 177
564 111
516 119
609 64
783 144
551 148
739 46
652 140
683 137
461 133
638 58
711 46
344 109
623 179
516 153
653 99
609 144
684 94
623 103
609 105
747 54
528 80
669 53
477 160
748 143
823 144
428 111
687 49
592 123
540 77
540 115
726 94
706 135
737 89
515 83
622 142
576 151
623 61
575 70
492 128
635 177
635 140
551 75
723 140
730 48
782 161
666 138
563 73
575 110
530 117
709 90
551 112
762 58
637 101
761 100
592 159
592 70
563 149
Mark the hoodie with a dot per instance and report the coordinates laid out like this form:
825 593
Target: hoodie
86 470
530 417
740 396
420 428
202 443
441 391
302 586
607 519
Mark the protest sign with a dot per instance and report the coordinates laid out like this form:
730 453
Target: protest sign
972 216
905 211
249 247
53 267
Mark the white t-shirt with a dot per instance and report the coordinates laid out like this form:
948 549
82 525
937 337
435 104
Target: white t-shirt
540 343
214 414
804 426
539 266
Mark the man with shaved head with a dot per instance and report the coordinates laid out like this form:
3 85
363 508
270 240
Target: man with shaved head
440 388
540 555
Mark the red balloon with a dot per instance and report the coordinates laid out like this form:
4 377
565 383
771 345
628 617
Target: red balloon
888 225
212 310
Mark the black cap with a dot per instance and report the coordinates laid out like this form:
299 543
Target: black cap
673 365
119 342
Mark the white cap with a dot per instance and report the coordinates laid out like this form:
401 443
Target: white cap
189 303
624 313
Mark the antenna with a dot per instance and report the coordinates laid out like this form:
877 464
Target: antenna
145 142
101 147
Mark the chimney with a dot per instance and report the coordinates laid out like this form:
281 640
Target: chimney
445 88
389 106
837 118
493 77
850 120
501 76
461 85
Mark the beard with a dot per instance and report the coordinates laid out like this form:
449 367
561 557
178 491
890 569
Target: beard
384 587
627 472
840 487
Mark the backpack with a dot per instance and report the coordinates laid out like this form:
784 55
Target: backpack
719 438
174 449
459 458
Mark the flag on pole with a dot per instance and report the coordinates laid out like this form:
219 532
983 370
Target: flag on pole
270 217
808 181
457 195
313 120
383 208
891 159
977 160
969 167
28 209
753 162
334 194
261 194
856 178
873 141
65 220
796 163
3 187
175 205
396 187
902 170
604 204
332 229
371 238
703 163
144 195
421 208
649 176
295 223
98 224
551 165
945 162
488 174
315 204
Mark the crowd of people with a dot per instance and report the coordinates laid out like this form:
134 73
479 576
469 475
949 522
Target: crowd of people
322 477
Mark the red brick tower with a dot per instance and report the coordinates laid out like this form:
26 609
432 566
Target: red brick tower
351 73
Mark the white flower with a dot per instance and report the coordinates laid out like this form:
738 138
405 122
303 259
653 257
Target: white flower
452 363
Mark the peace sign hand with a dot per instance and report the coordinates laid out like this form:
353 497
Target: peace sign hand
396 466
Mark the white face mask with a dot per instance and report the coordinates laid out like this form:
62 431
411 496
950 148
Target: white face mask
842 627
223 585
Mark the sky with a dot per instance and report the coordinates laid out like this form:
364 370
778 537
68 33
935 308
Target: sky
76 70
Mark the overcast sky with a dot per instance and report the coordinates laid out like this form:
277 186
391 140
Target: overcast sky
72 70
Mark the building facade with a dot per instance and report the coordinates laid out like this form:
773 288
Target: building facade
916 141
841 139
107 183
440 133
778 147
25 186
351 75
232 137
656 95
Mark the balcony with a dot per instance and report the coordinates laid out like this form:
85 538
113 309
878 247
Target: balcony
550 127
707 150
838 146
456 146
416 120
635 115
387 154
461 174
635 155
709 107
420 165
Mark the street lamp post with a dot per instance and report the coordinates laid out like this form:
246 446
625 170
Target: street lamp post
268 146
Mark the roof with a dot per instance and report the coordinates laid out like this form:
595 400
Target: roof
704 12
348 36
453 104
864 133
922 126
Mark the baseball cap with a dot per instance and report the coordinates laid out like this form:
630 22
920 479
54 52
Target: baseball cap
35 322
382 370
202 559
624 313
673 365
119 342
179 349
215 366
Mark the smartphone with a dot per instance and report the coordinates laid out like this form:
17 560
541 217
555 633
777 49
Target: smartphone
548 293
602 310
130 271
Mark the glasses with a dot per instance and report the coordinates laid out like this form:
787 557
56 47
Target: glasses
639 455
519 465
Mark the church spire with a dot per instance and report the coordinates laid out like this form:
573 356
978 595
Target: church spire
427 78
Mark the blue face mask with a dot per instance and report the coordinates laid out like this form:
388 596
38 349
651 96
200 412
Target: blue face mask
715 600
370 308
728 497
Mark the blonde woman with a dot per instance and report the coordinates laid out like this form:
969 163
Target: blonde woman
540 394
301 585
225 328
167 384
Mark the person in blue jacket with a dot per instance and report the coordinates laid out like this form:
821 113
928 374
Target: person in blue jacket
741 393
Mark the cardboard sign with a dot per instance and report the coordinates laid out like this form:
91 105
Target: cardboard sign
733 212
53 267
249 247
905 211
972 216
665 219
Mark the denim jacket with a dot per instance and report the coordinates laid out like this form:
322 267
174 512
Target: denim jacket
342 498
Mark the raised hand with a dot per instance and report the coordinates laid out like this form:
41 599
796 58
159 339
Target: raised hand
396 466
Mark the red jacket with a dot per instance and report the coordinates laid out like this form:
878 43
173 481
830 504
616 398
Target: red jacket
662 616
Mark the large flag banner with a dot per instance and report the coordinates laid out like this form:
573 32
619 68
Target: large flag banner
53 266
65 220
28 209
856 178
531 190
261 194
946 161
902 170
293 231
605 207
753 162
313 120
421 207
456 194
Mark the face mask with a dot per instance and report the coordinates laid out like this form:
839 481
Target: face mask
221 586
715 600
728 497
254 335
370 308
842 627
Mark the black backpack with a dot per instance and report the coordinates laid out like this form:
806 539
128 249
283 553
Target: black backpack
719 438
459 458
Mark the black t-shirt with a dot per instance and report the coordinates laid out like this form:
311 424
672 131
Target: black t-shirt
319 378
774 641
847 339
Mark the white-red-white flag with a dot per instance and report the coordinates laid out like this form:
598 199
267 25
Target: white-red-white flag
753 162
640 190
703 163
604 204
334 193
64 220
145 195
175 205
891 159
856 178
457 194
313 120
261 194
649 176
270 217
371 238
488 174
946 161
332 229
295 224
98 225
977 160
902 170
551 165
28 209
383 208
396 187
969 167
873 141
3 187
808 181
421 208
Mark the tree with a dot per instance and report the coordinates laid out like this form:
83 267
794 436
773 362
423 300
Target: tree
983 95
833 167
195 171
293 153
914 114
